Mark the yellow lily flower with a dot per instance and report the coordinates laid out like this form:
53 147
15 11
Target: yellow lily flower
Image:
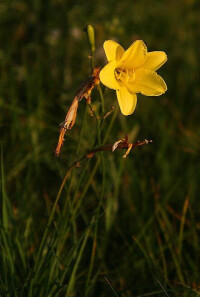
132 71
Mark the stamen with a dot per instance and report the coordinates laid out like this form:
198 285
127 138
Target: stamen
118 73
125 74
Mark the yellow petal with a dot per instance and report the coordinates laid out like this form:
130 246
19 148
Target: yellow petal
127 101
107 76
134 56
113 50
148 82
155 60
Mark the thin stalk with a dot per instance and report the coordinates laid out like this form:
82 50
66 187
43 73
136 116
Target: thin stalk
81 132
76 154
102 99
110 125
92 59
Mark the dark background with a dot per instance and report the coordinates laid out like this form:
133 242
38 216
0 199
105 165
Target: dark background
145 238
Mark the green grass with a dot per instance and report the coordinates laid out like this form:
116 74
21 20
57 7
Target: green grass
120 227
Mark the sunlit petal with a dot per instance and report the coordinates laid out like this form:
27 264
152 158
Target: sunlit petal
107 76
155 60
134 56
148 82
132 71
127 101
113 50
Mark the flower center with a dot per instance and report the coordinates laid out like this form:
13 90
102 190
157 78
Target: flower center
126 75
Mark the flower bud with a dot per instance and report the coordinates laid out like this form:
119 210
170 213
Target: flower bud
91 36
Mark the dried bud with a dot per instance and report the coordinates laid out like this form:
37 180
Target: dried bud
68 124
71 115
116 144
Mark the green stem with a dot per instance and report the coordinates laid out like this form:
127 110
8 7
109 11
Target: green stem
92 60
76 154
110 125
102 99
81 132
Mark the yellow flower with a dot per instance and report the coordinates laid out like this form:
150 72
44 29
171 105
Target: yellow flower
132 71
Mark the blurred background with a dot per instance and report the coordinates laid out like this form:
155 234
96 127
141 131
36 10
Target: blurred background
130 227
